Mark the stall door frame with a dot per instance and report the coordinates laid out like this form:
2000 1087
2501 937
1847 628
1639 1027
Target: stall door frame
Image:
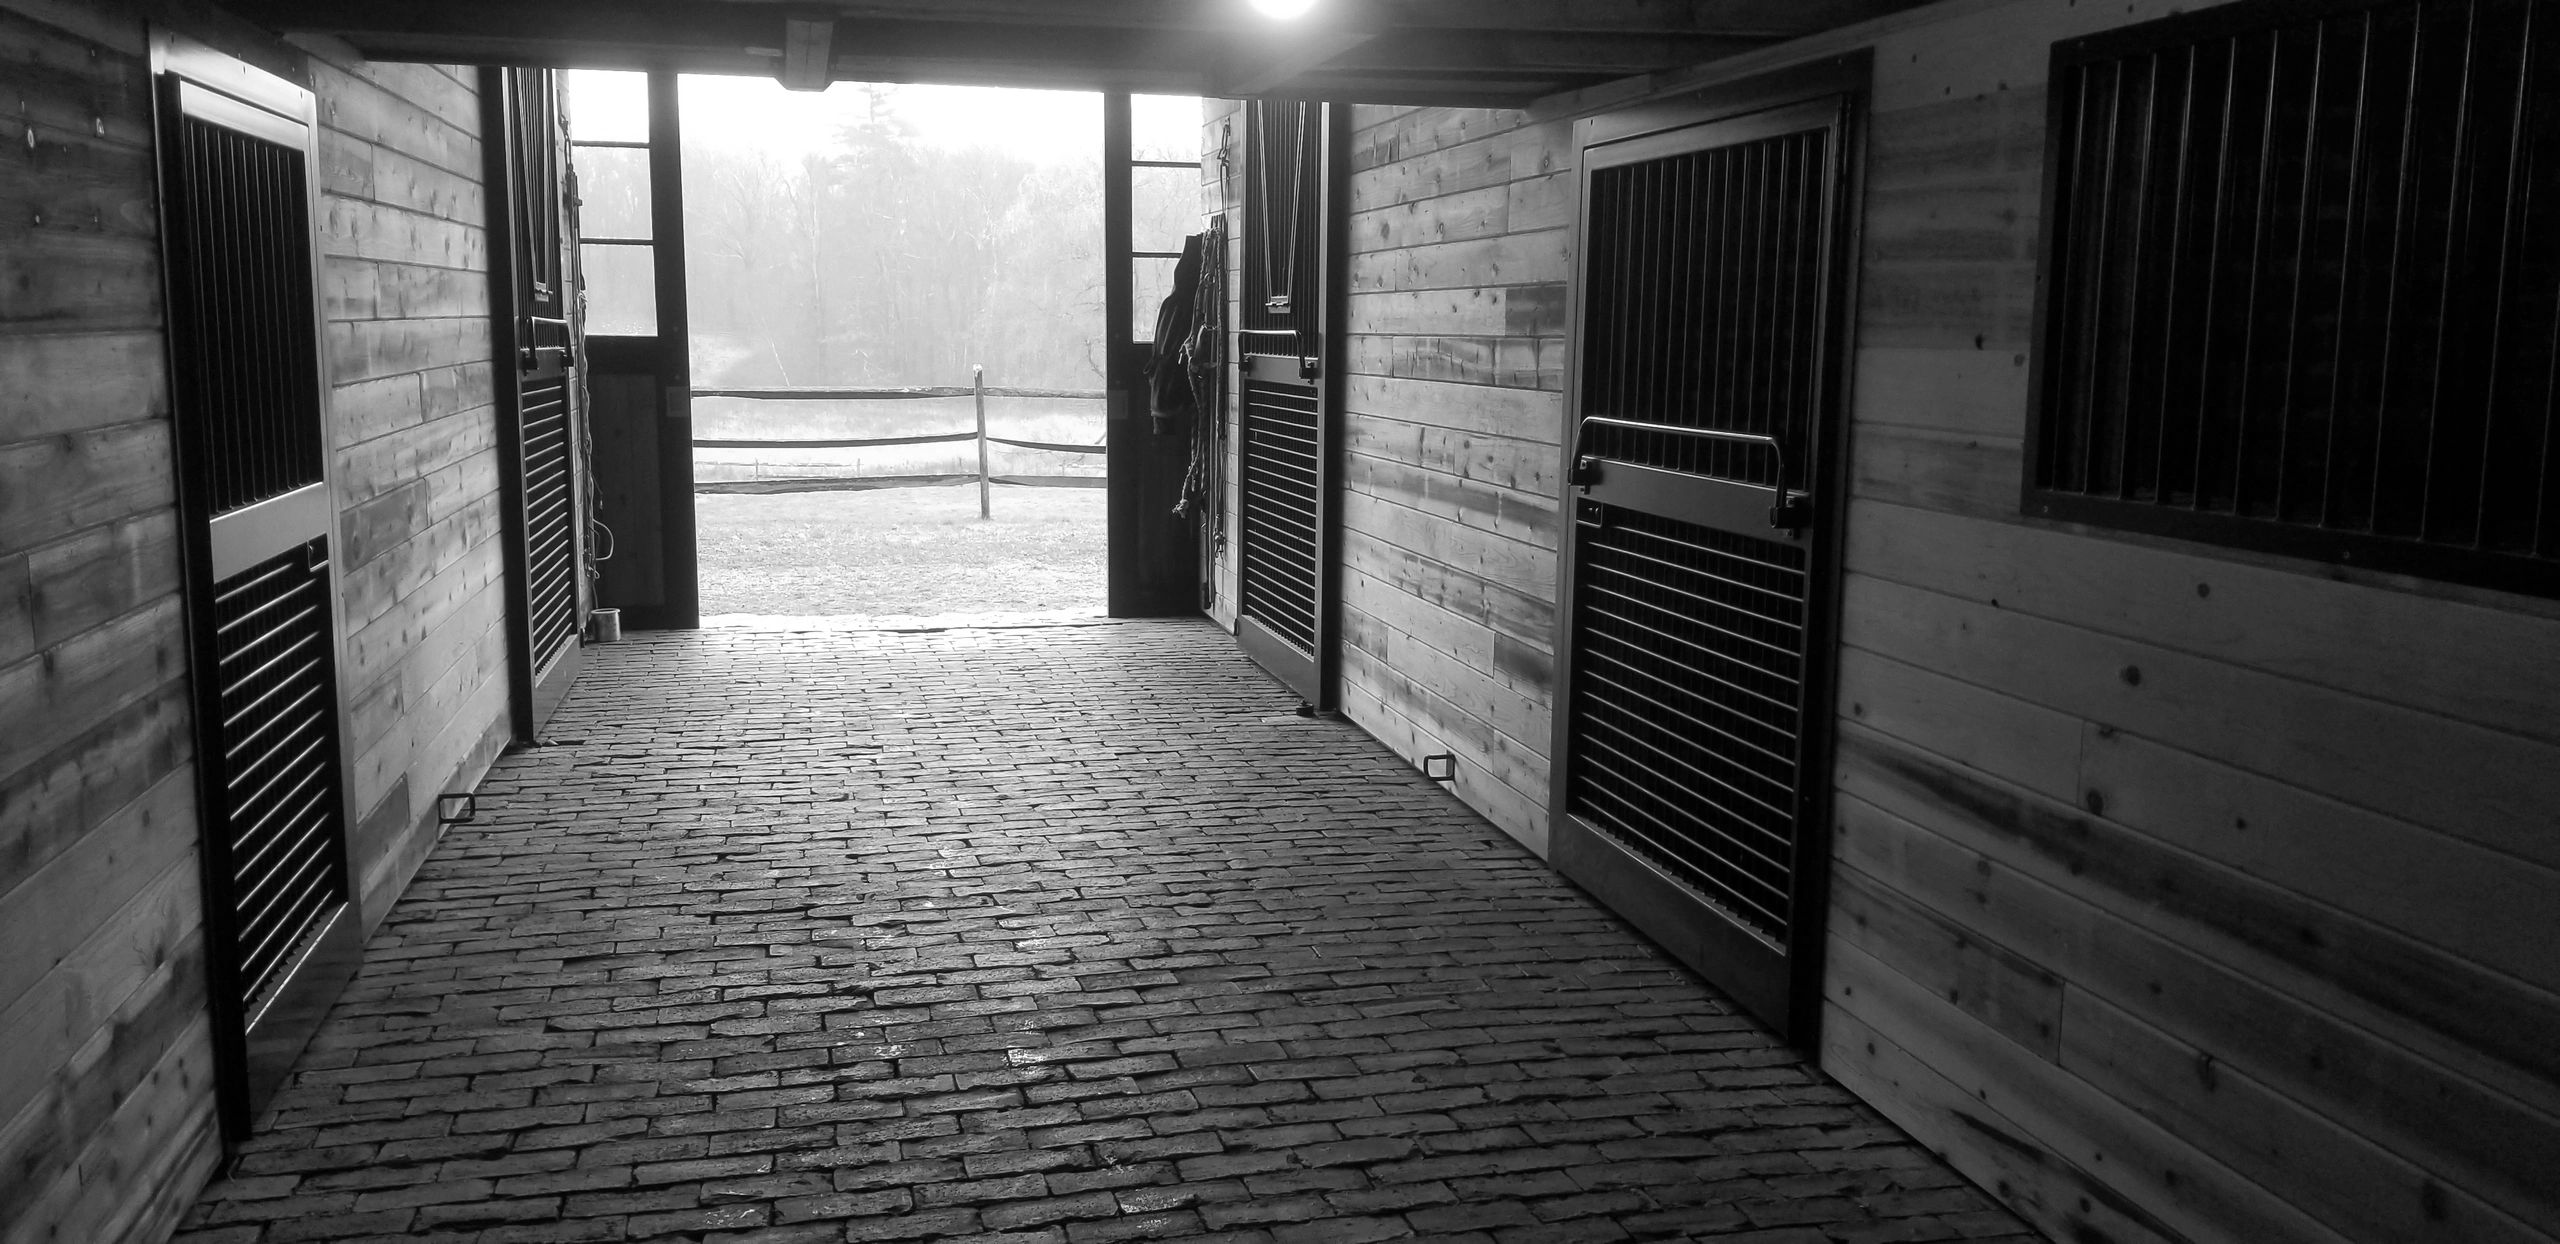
1307 356
258 1028
533 312
1777 980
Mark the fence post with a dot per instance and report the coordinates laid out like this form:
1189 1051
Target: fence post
978 377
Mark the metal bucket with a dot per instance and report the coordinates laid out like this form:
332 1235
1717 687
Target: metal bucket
607 624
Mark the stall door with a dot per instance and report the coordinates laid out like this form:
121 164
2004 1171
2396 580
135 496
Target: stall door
1705 405
261 591
1288 391
541 444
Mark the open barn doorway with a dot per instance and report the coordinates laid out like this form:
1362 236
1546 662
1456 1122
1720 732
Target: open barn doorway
910 313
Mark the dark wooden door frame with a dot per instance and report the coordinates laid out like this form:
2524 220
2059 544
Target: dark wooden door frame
1644 894
1149 568
665 358
532 338
1317 678
255 1040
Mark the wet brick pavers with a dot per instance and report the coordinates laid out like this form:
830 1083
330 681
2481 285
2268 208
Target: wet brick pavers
1064 934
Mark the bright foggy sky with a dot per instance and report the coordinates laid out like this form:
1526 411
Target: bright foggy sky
1041 126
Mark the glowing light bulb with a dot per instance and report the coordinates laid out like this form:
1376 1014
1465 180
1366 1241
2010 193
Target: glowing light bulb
1283 9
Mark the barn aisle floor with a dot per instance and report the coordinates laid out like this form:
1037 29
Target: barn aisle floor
1067 933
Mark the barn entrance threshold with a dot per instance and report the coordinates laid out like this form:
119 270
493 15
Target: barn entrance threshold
1070 934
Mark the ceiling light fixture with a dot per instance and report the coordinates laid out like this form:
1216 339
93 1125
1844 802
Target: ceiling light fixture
1283 10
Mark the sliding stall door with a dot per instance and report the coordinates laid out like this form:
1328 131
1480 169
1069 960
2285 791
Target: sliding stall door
258 523
1289 384
1698 574
542 443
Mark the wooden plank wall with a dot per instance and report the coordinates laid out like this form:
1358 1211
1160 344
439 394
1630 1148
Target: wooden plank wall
106 1105
1459 249
406 302
106 1096
2181 893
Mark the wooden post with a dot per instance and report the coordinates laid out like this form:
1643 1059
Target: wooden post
978 379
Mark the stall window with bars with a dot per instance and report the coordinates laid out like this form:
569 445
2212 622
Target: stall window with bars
246 305
1705 283
1283 220
2303 284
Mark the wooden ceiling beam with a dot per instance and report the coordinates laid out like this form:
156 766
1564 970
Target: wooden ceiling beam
1562 54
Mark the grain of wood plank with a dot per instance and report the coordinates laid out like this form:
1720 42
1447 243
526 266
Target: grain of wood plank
70 85
1487 778
52 383
2006 992
390 233
2360 1190
1959 139
1984 304
1540 258
2485 907
101 573
464 563
356 289
2486 787
87 679
1458 217
102 982
67 1186
371 468
2032 746
369 349
92 188
1453 498
2487 666
1449 655
2405 980
45 918
1458 312
2173 1182
17 609
1467 166
367 529
365 111
1523 414
1521 615
53 281
1496 559
1521 470
47 806
2054 1195
1965 392
61 485
2435 1101
1428 131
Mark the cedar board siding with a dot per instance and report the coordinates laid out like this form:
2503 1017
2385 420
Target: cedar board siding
102 986
405 291
2180 892
107 1125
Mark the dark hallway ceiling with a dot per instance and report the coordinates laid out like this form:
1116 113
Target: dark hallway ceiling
1483 52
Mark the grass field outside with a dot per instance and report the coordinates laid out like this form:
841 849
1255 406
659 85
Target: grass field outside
904 556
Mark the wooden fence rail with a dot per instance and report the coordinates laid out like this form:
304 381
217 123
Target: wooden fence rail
839 483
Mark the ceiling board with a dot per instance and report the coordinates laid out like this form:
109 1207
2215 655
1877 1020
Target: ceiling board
1475 52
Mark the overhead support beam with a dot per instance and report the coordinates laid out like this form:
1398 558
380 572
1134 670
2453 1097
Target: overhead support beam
1297 54
808 53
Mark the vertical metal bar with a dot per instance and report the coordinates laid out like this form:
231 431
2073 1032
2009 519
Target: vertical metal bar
2356 141
978 381
2212 300
2178 211
2139 222
2507 229
2094 280
2257 253
2390 345
2305 203
2457 235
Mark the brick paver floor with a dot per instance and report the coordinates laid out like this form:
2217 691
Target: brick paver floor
1061 934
